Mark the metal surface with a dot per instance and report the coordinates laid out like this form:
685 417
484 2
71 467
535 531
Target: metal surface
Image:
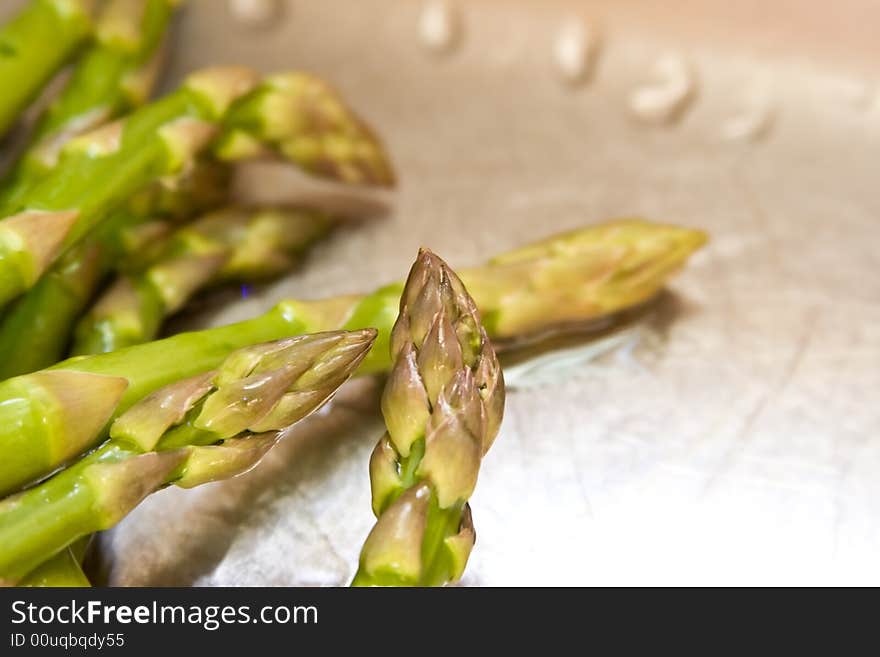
732 437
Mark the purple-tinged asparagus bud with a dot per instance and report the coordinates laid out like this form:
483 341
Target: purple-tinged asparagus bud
121 486
231 458
438 337
318 383
385 481
459 545
405 404
443 404
453 445
145 422
266 387
394 546
233 407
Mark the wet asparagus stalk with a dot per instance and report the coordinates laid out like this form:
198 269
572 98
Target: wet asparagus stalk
231 244
212 426
99 171
34 45
530 290
62 570
443 404
113 76
36 329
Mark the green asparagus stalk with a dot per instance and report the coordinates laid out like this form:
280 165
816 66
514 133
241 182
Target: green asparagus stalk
443 404
112 77
35 331
212 426
62 570
50 416
34 45
32 334
231 244
99 171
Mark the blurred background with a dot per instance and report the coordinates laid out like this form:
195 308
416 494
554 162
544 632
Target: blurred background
730 435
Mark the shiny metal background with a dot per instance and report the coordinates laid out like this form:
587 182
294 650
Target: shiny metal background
731 437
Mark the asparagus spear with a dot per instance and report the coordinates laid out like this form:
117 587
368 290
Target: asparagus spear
34 45
113 76
212 426
230 244
443 404
586 273
299 118
32 333
35 331
36 410
97 172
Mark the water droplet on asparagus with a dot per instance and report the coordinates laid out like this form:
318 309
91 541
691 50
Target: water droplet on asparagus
255 13
666 98
438 25
574 50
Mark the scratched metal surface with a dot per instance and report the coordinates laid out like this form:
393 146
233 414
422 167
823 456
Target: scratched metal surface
730 437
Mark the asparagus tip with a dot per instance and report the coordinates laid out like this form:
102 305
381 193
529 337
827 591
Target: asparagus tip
230 459
283 380
318 131
144 423
443 405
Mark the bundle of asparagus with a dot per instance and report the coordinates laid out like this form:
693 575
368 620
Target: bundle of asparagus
90 197
36 328
521 290
443 405
283 115
198 429
519 293
96 199
232 109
